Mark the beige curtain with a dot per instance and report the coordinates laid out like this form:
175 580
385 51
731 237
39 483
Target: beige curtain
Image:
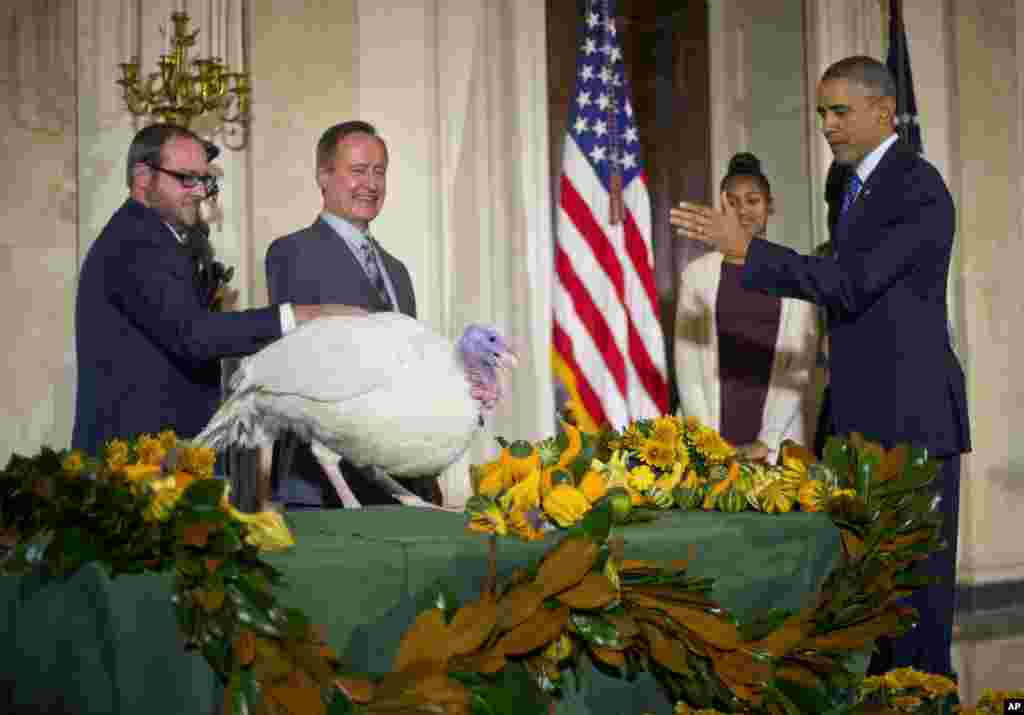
463 92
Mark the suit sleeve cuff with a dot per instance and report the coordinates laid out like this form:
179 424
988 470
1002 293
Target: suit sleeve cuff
287 318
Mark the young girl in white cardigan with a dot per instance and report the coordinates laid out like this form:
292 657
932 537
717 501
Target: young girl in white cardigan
743 359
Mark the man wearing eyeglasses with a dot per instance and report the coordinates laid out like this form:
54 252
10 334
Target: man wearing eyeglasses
147 344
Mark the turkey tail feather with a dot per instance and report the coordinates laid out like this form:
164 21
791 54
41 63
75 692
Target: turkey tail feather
237 422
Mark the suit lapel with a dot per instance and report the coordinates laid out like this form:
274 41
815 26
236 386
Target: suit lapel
353 266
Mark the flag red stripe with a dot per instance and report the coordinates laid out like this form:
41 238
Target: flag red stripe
639 255
581 215
650 376
592 319
591 402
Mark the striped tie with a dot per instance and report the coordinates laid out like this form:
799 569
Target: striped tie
853 186
374 273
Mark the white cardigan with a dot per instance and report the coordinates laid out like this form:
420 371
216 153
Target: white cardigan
696 358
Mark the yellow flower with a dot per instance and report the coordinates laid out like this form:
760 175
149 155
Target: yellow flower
150 450
615 471
641 478
907 703
487 518
494 478
168 440
812 495
938 686
657 454
661 492
267 530
566 505
165 497
519 467
560 649
524 495
711 445
593 485
665 430
632 437
73 463
522 525
198 461
844 493
572 450
117 454
139 472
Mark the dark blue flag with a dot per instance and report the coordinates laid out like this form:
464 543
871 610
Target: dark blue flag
899 64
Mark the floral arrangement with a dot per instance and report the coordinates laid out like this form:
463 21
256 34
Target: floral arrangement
653 464
152 504
907 690
791 662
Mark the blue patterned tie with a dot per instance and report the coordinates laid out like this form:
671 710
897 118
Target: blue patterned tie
374 273
853 186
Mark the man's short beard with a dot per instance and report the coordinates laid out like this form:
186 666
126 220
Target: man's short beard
170 216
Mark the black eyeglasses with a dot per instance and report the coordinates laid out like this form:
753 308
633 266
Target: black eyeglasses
210 184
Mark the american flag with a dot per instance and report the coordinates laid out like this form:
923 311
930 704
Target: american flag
608 347
899 65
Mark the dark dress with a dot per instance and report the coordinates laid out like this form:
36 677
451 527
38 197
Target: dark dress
747 323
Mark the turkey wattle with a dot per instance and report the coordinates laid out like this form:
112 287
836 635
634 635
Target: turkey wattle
382 389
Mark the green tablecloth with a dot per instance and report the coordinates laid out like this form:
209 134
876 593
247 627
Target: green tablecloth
111 647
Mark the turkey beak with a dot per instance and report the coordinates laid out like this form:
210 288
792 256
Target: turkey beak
507 360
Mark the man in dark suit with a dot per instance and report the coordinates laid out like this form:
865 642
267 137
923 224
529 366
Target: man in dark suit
337 260
894 375
147 344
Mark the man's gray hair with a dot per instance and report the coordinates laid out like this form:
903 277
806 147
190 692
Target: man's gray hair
868 72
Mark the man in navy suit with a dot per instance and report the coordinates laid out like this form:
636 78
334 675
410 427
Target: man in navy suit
337 260
894 375
147 344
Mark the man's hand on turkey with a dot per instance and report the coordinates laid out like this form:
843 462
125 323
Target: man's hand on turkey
381 389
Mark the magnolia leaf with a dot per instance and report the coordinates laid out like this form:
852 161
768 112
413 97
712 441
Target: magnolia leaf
740 667
766 624
716 630
613 658
238 699
867 465
802 686
839 456
539 630
209 601
340 705
858 636
487 662
244 647
421 642
197 534
444 598
664 649
358 689
625 626
471 626
566 564
518 604
594 591
296 698
596 630
205 492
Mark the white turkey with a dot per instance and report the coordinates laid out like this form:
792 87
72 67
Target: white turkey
382 389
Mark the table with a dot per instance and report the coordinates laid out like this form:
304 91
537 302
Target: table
111 647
